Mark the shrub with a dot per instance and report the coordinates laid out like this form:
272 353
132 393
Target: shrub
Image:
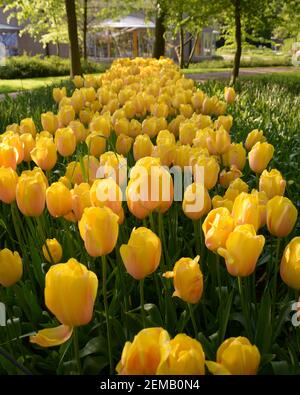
34 66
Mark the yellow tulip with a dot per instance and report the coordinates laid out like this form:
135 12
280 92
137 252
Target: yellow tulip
65 141
187 132
52 251
149 126
281 216
58 199
79 130
260 156
135 128
182 155
185 357
236 356
218 142
211 170
196 201
58 94
8 184
106 192
216 228
44 154
243 248
100 124
65 115
246 210
290 264
226 177
235 156
239 185
272 183
78 81
254 137
99 230
80 199
96 143
11 268
28 145
8 156
188 279
70 292
144 355
123 144
113 165
14 140
122 126
77 100
225 121
142 147
31 194
49 122
28 126
229 94
141 256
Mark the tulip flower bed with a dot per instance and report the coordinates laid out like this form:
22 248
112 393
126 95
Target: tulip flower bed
96 277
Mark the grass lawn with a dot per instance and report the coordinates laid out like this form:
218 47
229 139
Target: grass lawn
7 86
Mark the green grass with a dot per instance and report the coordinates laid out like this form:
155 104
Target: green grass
7 86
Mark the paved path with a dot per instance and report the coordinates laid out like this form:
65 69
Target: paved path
244 71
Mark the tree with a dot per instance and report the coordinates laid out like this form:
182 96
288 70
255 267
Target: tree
159 39
73 38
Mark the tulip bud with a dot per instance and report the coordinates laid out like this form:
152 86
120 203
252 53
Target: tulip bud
44 154
260 156
229 94
96 143
106 192
31 194
100 124
52 251
78 81
80 199
218 142
211 170
28 145
141 256
59 200
121 126
290 264
216 228
142 147
236 356
281 216
196 202
14 140
188 279
99 230
187 132
49 122
77 100
226 177
272 183
65 141
256 136
246 210
113 165
58 94
225 121
123 144
145 354
243 248
235 156
135 128
65 115
8 184
8 156
11 268
27 126
186 357
79 130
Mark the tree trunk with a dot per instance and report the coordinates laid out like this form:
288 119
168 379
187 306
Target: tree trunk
238 41
196 38
159 43
47 50
57 48
85 29
181 47
73 38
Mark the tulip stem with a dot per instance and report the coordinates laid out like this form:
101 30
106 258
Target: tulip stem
244 308
76 349
196 237
104 278
152 226
193 320
142 300
276 265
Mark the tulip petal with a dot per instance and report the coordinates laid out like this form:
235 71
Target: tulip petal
216 368
52 336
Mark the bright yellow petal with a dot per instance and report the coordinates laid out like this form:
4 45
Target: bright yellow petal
52 336
216 368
